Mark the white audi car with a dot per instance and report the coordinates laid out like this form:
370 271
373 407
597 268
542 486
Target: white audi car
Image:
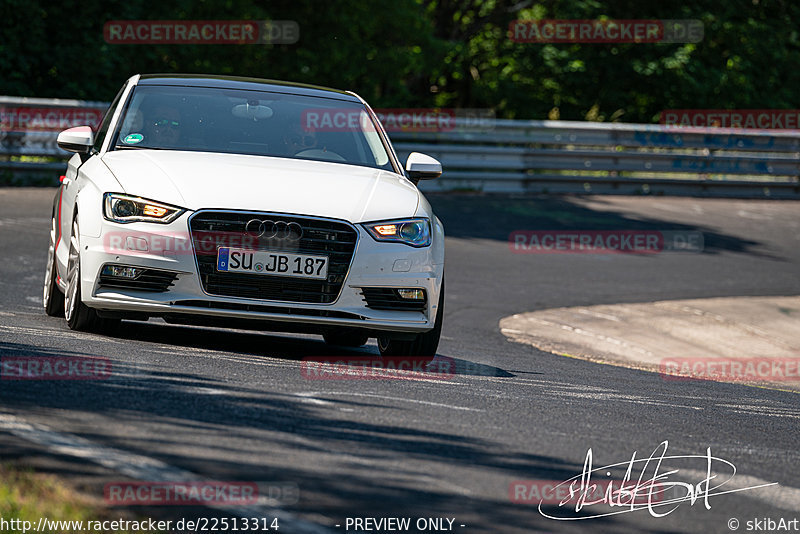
241 202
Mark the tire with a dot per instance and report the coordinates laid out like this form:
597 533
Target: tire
346 338
80 316
423 345
52 297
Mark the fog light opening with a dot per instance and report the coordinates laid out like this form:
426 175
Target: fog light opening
411 294
121 271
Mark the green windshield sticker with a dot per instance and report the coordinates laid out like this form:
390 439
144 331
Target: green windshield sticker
132 139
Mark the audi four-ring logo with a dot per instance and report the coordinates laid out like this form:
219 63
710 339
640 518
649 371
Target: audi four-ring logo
274 229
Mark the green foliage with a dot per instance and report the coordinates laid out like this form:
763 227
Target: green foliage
423 53
29 496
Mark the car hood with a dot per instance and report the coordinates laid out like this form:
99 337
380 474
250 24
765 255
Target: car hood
197 180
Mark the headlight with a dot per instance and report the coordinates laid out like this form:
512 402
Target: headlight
124 209
414 232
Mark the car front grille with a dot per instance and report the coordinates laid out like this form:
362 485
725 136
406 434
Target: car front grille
213 229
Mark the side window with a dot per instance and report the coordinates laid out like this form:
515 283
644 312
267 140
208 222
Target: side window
103 130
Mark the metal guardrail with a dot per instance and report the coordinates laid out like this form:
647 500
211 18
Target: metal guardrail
28 131
565 156
526 156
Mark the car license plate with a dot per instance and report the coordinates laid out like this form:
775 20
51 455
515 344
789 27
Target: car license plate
240 260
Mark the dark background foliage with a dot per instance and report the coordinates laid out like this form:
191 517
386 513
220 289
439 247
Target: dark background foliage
424 53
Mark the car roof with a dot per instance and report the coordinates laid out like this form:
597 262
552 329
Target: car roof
251 84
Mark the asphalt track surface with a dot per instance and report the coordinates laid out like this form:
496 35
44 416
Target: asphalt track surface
234 406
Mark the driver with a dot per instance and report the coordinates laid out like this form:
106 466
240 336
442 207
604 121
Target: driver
298 139
162 128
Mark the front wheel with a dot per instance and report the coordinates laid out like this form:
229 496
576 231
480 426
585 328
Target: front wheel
52 298
80 316
423 345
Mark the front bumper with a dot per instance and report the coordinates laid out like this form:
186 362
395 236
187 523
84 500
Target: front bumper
170 248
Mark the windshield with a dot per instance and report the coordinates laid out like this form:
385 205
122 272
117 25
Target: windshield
251 122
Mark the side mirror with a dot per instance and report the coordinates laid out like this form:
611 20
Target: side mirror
422 167
79 139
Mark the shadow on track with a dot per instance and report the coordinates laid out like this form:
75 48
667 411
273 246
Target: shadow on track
495 217
152 395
